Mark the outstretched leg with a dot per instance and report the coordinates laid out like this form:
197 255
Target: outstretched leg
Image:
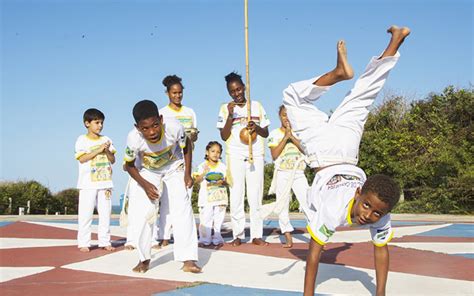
343 70
352 112
398 36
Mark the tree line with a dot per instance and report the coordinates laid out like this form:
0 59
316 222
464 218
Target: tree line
426 145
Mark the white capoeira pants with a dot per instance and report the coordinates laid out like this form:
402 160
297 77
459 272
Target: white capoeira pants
331 140
300 188
249 176
131 237
211 218
88 199
163 228
141 208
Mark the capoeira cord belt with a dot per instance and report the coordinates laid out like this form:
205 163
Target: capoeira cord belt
124 210
278 205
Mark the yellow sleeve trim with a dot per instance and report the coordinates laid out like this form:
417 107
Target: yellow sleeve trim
385 243
127 160
78 155
314 236
349 210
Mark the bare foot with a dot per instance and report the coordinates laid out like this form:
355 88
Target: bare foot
259 242
190 266
85 249
129 248
289 240
203 245
399 33
236 242
142 267
398 36
165 242
108 248
156 247
343 69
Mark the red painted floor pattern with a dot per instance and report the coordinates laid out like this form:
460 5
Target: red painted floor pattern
60 281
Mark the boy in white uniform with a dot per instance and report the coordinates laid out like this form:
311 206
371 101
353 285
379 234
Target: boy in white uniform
288 173
332 144
95 154
187 118
232 119
160 146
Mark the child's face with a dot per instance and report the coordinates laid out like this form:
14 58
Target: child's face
151 128
236 91
214 153
175 94
368 208
95 126
284 119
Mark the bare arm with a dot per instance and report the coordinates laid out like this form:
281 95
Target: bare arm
88 156
110 156
198 178
150 189
381 257
225 131
188 159
297 143
278 149
262 132
312 264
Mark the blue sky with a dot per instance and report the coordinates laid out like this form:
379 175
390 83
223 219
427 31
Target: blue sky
59 58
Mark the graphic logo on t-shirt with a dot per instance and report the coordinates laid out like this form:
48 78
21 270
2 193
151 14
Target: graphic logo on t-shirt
215 192
100 167
290 157
213 177
156 160
186 121
129 152
381 234
325 231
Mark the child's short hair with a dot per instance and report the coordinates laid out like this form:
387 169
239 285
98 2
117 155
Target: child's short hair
92 114
144 109
281 109
233 76
170 80
385 187
209 145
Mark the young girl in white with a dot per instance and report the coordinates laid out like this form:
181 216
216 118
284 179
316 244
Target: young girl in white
288 157
213 198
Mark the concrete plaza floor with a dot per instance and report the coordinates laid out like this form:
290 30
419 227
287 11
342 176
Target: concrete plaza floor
429 255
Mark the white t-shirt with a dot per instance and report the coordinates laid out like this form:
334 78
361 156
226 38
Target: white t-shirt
332 198
185 116
290 154
97 172
160 157
210 193
234 146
